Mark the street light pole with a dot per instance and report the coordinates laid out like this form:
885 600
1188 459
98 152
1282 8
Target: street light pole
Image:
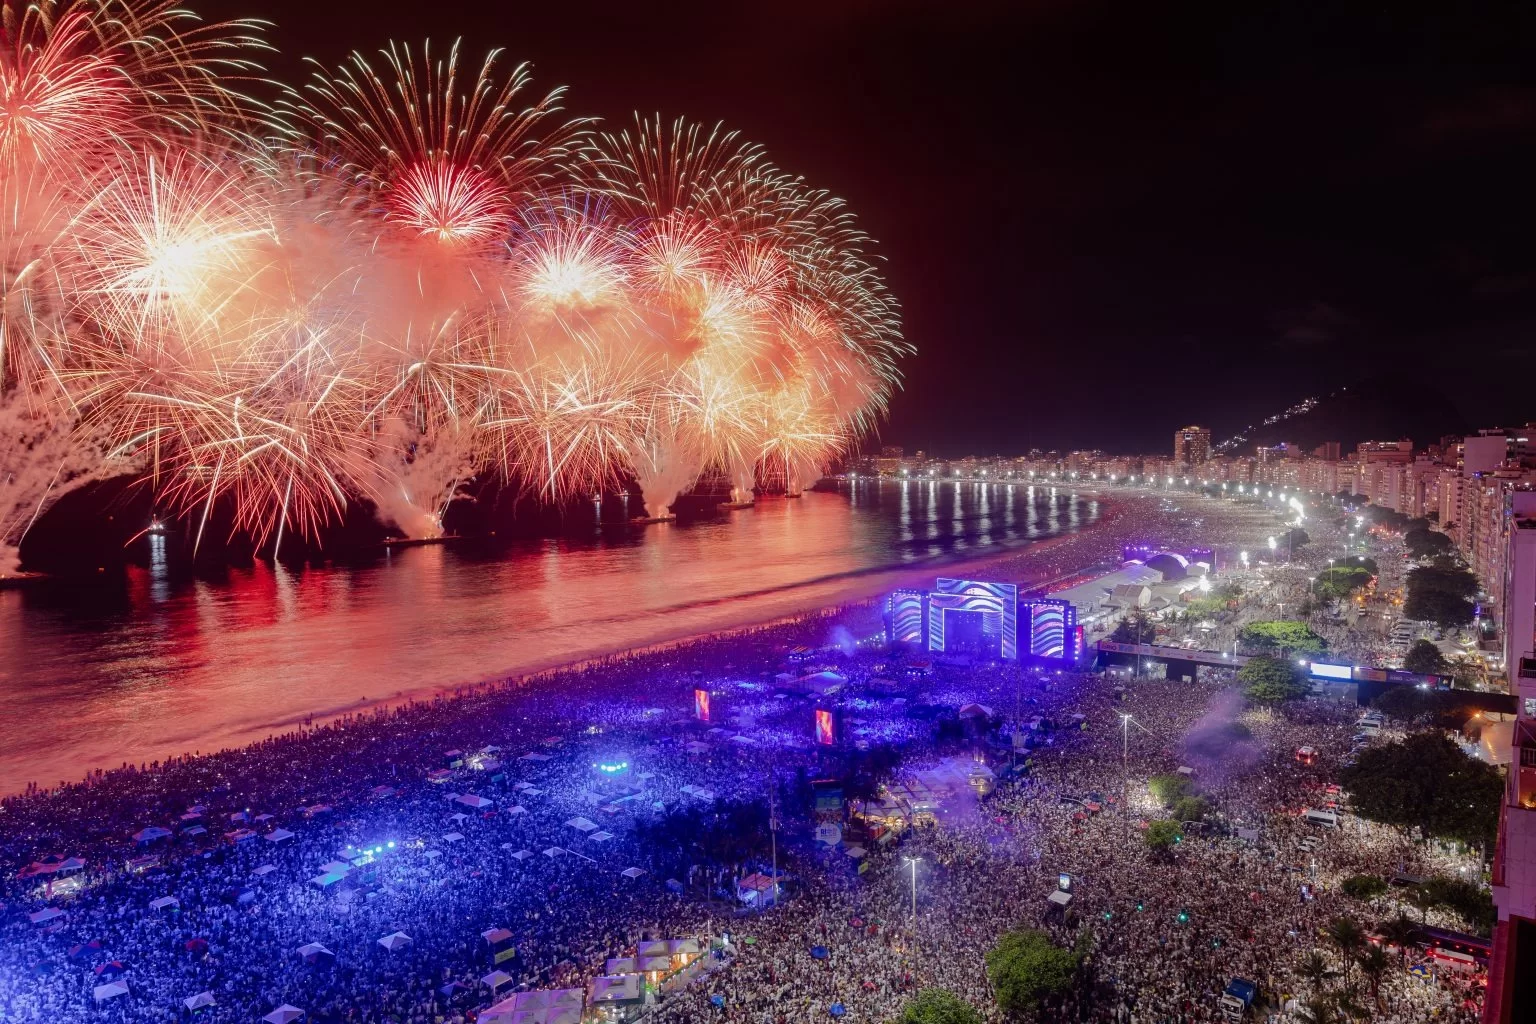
912 863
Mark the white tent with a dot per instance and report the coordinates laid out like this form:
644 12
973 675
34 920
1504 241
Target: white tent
495 980
600 837
522 854
198 1001
1059 898
478 803
517 809
542 1006
453 837
338 866
285 1014
164 902
533 791
278 835
582 824
310 949
265 869
616 989
534 757
327 880
395 940
553 852
632 872
111 990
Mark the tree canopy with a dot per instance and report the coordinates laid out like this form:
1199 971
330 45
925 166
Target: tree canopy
1025 967
1426 782
1340 581
1282 635
1134 628
1169 788
1162 835
1424 542
1269 680
1425 657
938 1006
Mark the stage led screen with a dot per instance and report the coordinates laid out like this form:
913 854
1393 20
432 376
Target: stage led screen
906 612
997 603
1052 628
826 732
701 705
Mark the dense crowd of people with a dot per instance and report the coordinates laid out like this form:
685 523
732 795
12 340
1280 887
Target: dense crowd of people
591 809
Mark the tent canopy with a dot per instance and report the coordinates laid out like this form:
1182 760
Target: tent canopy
285 1014
395 940
198 1001
111 990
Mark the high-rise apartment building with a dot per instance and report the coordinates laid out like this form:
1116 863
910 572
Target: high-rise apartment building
1192 445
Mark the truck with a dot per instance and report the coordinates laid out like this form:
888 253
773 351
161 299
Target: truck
1234 1002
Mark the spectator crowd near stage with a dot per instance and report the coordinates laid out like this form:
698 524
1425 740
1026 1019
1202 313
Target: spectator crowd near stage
589 811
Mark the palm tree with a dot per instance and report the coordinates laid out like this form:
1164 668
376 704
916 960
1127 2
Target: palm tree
1319 1010
1346 933
1314 969
1399 932
1374 963
1422 901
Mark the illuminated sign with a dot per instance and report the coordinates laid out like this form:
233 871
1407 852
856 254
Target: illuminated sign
701 705
1322 671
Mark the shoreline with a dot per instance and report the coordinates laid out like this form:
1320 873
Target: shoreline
864 590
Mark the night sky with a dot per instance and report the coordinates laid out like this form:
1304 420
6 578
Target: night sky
1103 221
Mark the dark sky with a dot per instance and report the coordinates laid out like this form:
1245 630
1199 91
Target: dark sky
1104 221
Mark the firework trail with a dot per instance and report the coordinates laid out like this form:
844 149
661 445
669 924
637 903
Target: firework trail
409 273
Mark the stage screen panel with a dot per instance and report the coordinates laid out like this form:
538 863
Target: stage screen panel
907 613
1052 628
701 705
997 603
826 730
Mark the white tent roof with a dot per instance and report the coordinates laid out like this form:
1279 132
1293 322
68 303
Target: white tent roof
475 801
311 948
582 824
395 940
453 837
111 990
163 902
522 854
198 1001
632 872
495 979
517 809
285 1014
277 835
1060 898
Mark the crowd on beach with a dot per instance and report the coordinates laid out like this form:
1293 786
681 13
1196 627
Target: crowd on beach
592 809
